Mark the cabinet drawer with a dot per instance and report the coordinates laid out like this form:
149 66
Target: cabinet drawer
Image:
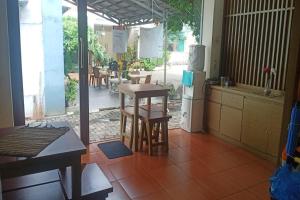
233 100
215 95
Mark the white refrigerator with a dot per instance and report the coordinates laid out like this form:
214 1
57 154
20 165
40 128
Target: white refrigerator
193 104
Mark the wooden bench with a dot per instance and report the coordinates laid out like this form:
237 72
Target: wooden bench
29 180
94 184
48 185
48 191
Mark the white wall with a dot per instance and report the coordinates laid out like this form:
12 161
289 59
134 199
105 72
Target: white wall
54 88
6 109
42 57
212 36
31 30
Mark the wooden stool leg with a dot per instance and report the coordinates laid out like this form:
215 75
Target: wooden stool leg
166 136
121 128
131 133
142 135
157 128
149 138
124 124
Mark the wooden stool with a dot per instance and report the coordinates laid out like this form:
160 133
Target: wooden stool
127 112
154 124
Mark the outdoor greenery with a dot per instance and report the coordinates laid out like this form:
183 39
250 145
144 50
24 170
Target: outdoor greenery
190 14
70 29
71 91
99 54
148 64
131 55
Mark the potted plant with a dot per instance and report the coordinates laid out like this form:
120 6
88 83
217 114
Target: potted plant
71 91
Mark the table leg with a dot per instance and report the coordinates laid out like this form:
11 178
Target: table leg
165 104
149 103
76 178
0 189
107 81
136 123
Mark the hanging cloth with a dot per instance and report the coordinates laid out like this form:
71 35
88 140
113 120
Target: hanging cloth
151 42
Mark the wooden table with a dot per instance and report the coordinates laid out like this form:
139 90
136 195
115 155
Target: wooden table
63 152
136 77
138 91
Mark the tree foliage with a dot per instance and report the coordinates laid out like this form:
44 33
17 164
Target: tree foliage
70 29
190 14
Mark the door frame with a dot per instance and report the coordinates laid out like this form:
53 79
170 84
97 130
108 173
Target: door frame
83 70
16 66
15 62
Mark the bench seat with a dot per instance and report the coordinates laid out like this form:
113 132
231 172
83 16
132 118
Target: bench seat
94 184
49 191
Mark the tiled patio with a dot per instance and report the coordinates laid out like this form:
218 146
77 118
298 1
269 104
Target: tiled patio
105 124
197 167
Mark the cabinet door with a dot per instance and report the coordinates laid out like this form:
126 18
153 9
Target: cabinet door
275 116
255 124
231 122
213 115
214 95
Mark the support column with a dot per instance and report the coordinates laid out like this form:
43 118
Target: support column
165 47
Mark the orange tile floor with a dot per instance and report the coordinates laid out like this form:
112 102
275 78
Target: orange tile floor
198 166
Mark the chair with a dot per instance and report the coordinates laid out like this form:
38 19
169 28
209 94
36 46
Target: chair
154 129
148 79
97 76
91 75
127 112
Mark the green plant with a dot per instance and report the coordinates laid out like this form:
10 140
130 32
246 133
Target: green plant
100 55
70 29
172 90
71 91
131 55
190 14
148 64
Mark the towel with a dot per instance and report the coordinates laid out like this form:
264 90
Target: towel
187 78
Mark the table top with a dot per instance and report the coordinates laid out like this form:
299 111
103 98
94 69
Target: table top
137 75
69 143
143 90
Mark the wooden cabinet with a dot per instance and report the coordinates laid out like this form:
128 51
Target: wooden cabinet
255 125
275 120
252 120
213 116
231 122
215 95
262 125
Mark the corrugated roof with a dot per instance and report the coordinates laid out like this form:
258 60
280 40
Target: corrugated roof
130 12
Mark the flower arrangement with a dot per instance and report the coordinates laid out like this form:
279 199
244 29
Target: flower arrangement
269 71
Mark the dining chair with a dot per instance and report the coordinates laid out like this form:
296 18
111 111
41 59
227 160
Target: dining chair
97 77
154 129
91 75
148 79
127 112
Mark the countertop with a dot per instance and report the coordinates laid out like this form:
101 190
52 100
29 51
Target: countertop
276 96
